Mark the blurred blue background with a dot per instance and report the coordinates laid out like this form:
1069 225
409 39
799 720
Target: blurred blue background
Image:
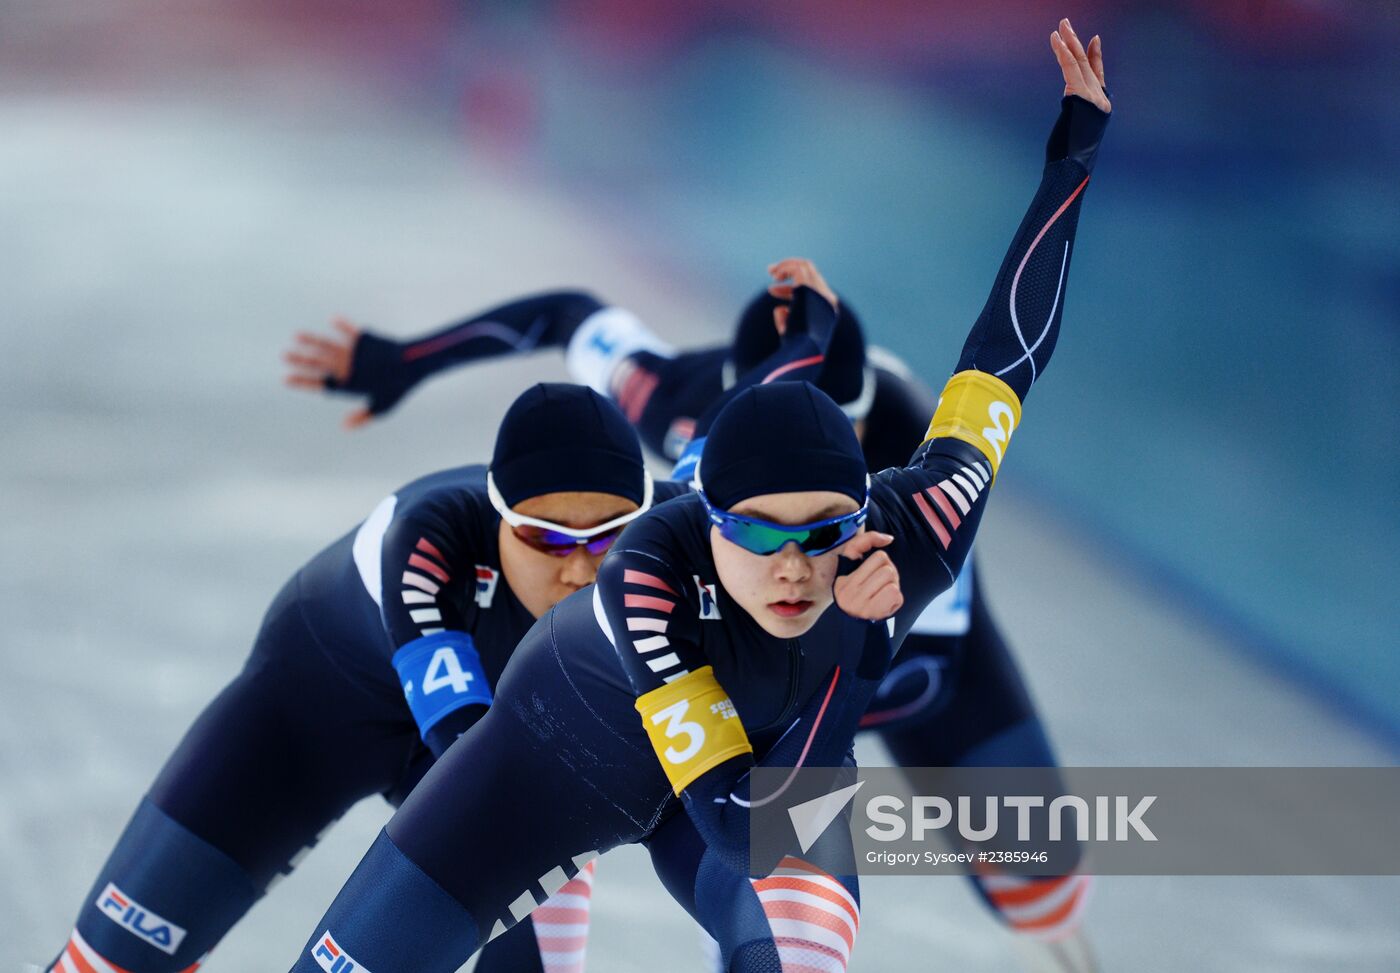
1225 410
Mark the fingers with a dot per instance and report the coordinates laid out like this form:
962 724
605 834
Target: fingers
318 359
794 272
863 543
782 273
345 327
874 607
315 342
314 363
872 590
1082 70
1069 67
1071 39
789 267
875 573
791 272
884 603
358 418
321 357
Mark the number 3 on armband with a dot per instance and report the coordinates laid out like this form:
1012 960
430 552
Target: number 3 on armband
444 670
676 724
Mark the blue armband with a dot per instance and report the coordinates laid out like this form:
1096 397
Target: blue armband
684 470
440 673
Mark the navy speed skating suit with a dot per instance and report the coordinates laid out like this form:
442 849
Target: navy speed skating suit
955 696
633 711
372 658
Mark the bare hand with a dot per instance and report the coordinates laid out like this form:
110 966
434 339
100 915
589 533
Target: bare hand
871 591
790 274
318 359
1083 70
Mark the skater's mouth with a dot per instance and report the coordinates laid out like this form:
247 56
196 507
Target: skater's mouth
789 608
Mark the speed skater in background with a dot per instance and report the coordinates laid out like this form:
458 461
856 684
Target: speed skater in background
955 696
724 632
372 659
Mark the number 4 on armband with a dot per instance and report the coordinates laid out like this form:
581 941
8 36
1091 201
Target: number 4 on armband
444 670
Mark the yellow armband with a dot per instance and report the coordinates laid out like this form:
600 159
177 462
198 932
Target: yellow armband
979 409
692 725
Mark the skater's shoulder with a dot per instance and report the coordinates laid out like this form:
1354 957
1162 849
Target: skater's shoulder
451 504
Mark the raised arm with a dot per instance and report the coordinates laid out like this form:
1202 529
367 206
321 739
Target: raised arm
1014 336
936 503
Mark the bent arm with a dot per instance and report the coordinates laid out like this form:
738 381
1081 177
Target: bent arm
435 657
799 357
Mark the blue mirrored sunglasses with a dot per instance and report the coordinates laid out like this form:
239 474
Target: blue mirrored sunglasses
764 537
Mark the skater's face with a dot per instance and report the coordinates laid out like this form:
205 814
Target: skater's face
787 591
541 579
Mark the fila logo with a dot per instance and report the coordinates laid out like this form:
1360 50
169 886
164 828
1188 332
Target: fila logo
486 579
331 958
709 606
141 922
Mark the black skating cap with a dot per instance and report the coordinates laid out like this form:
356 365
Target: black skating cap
558 438
783 437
